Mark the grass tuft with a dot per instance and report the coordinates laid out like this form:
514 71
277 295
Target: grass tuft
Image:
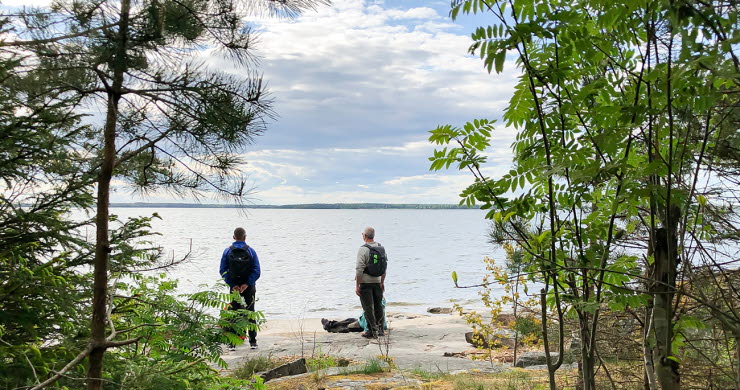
427 375
373 366
254 365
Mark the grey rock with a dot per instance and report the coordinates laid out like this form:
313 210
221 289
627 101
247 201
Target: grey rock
528 359
440 310
572 366
575 345
289 369
496 341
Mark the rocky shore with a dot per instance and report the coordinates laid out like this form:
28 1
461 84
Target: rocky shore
429 341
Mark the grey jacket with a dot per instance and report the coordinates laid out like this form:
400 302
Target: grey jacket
363 257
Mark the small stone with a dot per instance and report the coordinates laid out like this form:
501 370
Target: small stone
440 310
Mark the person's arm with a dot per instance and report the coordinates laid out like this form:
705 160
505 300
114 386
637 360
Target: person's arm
256 271
360 267
223 270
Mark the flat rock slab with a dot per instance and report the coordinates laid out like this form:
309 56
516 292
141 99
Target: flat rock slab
289 369
415 343
396 380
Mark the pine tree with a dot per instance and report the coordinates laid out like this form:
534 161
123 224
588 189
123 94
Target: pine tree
168 121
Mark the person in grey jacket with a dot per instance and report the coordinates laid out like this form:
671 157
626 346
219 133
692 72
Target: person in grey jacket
370 288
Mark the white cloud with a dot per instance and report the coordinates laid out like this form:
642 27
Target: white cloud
26 3
357 74
413 13
389 173
357 86
411 179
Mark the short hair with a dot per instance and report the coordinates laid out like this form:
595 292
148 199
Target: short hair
369 232
240 234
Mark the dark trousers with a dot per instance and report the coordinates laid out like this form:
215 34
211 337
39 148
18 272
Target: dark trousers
371 298
249 298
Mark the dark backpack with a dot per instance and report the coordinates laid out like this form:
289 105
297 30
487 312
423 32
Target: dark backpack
378 262
241 264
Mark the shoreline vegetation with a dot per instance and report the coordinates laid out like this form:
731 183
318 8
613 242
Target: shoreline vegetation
312 206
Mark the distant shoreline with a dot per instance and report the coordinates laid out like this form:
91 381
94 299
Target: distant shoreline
350 206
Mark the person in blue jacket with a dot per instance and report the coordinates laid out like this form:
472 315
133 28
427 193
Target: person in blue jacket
240 269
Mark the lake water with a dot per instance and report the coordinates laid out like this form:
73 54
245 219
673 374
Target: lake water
308 256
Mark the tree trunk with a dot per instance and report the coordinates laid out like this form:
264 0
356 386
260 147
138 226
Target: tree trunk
516 318
102 250
737 361
666 369
587 378
649 367
102 242
543 317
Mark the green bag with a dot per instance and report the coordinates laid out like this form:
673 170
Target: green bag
363 321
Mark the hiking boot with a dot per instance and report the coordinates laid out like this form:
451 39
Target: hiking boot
252 345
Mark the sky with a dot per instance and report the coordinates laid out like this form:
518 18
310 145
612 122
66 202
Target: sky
357 86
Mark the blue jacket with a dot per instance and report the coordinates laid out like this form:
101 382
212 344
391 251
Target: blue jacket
224 268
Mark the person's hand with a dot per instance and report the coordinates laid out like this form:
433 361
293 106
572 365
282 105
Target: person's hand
382 287
357 290
243 288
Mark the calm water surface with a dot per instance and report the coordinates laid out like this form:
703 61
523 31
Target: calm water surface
308 256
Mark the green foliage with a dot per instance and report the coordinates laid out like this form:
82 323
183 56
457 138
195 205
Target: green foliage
623 117
321 361
40 246
488 326
529 329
